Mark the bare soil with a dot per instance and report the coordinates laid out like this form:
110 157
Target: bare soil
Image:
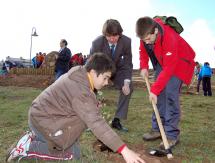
35 81
139 148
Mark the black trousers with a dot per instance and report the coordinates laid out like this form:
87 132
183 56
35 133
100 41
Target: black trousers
206 84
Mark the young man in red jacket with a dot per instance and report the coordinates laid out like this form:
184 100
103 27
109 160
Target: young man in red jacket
173 61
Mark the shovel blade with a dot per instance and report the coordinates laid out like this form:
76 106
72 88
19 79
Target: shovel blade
158 153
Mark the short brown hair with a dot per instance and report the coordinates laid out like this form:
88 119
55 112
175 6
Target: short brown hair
101 63
112 28
145 26
65 42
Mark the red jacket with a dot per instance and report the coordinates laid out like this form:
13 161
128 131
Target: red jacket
76 59
175 56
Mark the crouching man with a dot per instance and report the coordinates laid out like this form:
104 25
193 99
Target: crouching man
62 112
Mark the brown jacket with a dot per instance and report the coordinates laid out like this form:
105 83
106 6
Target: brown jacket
66 108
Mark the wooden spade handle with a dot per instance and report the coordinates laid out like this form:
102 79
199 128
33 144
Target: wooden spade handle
157 115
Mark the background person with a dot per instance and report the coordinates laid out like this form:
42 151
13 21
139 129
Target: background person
62 62
206 73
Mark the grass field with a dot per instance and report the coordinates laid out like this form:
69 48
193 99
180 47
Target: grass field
197 141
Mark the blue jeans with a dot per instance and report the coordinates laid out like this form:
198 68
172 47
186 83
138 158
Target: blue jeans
40 145
169 107
58 73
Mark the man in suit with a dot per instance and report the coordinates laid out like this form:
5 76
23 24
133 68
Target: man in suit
118 47
62 62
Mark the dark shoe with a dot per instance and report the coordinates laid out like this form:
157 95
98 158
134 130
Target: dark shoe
152 135
117 125
172 143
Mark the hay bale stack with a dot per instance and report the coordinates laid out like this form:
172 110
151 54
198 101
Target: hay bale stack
50 59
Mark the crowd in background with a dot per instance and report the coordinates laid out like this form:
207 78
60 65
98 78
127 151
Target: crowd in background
76 59
38 59
203 74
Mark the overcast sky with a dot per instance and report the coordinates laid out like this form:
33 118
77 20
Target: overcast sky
81 21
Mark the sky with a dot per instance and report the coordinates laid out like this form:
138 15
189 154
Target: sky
81 21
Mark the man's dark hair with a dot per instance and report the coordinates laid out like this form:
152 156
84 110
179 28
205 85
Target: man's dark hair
101 63
65 42
145 26
206 63
112 28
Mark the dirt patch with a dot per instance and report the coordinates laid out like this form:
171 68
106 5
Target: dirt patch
139 84
139 148
43 81
39 81
109 102
188 92
35 81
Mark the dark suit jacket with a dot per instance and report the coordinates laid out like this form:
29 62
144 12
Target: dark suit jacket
122 57
62 62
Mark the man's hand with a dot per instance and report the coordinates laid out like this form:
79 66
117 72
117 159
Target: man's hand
130 156
144 73
153 97
126 88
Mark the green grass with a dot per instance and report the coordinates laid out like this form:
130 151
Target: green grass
197 141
